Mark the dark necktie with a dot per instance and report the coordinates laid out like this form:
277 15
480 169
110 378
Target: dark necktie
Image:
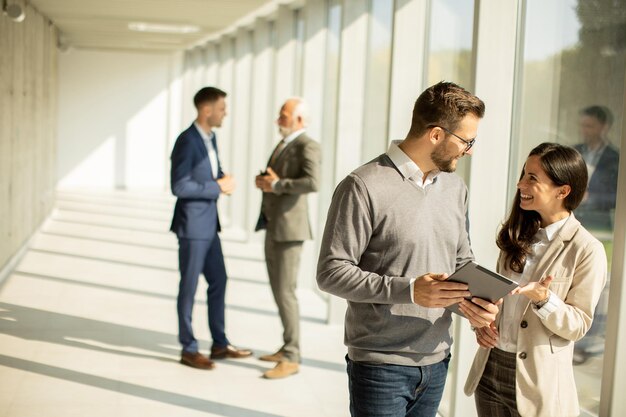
279 148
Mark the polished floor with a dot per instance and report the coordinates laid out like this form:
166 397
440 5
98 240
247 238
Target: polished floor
88 325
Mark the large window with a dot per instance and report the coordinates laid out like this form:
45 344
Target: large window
570 89
449 53
377 80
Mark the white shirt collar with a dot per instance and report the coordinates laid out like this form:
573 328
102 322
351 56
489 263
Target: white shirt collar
205 136
405 165
293 135
552 229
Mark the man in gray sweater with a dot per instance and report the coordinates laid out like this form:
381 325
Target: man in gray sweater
396 227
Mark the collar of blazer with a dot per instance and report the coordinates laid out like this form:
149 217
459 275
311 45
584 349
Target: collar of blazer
555 247
197 138
298 138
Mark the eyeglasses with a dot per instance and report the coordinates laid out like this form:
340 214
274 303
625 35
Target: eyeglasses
468 143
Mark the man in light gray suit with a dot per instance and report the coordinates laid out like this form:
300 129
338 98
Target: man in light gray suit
292 172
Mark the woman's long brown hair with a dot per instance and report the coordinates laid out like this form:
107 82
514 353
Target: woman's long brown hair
563 165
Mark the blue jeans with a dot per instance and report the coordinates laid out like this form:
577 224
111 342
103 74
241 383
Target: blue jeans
381 390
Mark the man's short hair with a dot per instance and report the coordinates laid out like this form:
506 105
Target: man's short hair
601 113
207 95
444 104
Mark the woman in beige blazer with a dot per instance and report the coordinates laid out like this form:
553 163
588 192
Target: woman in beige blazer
524 364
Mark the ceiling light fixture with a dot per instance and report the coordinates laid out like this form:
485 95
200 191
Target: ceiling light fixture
162 28
14 11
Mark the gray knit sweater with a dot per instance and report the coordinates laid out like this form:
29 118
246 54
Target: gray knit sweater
383 230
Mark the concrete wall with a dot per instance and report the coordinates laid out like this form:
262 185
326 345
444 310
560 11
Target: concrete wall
28 108
114 119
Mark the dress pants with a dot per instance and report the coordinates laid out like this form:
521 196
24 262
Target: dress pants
283 261
495 395
195 257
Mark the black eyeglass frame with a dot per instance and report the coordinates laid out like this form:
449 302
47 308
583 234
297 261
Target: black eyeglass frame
468 143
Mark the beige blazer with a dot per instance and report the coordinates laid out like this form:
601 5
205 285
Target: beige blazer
544 377
285 213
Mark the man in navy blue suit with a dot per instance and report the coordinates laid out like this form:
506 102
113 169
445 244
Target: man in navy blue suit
597 210
602 158
197 180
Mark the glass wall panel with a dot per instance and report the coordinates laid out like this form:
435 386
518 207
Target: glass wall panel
377 83
449 51
570 86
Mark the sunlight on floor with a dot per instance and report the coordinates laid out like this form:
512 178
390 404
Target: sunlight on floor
88 325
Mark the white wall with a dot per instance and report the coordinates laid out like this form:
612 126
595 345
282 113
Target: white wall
113 119
28 100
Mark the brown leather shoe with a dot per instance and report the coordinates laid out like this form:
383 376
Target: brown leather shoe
282 370
196 360
229 352
274 357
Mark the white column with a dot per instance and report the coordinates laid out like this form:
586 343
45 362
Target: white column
239 140
313 93
612 399
212 65
495 70
314 63
199 61
377 79
262 118
175 104
188 90
285 55
224 134
351 87
351 103
407 68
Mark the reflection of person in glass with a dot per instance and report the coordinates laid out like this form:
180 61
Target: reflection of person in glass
524 364
595 212
602 159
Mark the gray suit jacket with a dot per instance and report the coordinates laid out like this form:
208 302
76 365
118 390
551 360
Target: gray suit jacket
285 213
544 376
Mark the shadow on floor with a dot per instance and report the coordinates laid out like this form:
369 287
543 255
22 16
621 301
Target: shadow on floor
34 324
148 393
143 293
46 326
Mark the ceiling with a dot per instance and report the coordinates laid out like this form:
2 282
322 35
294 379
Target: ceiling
104 24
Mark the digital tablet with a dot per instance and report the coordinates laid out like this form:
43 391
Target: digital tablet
482 282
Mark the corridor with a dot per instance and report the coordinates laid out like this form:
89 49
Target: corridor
88 325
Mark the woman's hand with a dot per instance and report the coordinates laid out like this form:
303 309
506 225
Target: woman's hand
536 291
479 312
487 337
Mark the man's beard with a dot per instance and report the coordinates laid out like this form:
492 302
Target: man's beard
214 122
285 131
441 159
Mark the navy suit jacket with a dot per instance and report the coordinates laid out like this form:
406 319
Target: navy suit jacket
192 181
603 182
